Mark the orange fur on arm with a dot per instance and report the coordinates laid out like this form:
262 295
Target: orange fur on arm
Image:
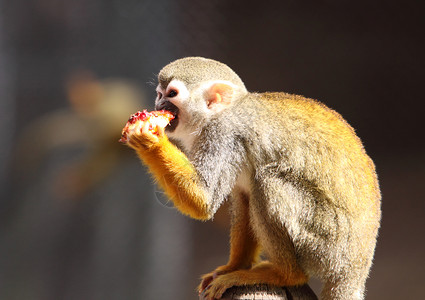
177 176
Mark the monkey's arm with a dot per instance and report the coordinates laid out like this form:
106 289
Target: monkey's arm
173 172
197 187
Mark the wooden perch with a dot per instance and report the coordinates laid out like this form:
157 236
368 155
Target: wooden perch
263 292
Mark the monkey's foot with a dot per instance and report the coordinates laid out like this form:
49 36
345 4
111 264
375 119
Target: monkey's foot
263 273
209 277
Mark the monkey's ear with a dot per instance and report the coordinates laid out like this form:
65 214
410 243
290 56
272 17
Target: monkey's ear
219 95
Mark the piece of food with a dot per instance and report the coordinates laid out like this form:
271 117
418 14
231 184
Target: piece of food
159 118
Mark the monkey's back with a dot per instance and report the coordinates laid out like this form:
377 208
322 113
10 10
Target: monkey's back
336 197
317 144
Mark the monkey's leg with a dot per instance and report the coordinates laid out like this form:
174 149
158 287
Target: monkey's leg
345 289
244 247
174 173
262 273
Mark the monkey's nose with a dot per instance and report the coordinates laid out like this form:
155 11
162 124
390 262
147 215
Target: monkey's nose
167 105
160 104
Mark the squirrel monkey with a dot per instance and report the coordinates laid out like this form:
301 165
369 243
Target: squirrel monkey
302 189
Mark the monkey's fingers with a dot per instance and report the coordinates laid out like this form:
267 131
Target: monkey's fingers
209 277
206 280
142 137
144 128
138 122
131 129
160 131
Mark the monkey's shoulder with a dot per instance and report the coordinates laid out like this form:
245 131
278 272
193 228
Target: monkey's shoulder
296 106
288 100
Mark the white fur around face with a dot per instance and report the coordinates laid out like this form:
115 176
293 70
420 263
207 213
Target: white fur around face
178 86
189 102
182 133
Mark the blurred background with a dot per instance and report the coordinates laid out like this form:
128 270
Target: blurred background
79 217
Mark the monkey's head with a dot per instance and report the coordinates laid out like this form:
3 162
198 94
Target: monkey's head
195 89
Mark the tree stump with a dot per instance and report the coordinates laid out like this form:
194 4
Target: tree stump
263 292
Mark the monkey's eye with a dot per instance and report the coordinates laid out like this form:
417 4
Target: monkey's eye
172 94
159 95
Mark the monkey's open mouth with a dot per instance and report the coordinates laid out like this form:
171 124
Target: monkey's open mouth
167 105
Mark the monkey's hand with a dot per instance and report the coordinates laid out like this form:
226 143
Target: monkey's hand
142 121
144 137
